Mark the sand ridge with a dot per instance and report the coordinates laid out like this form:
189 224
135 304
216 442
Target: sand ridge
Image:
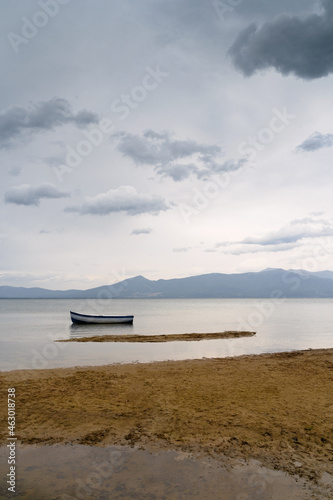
162 338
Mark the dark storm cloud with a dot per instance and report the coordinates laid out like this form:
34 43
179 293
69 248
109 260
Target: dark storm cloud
316 141
178 159
19 122
299 45
31 195
124 199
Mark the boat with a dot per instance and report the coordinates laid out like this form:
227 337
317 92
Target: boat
78 318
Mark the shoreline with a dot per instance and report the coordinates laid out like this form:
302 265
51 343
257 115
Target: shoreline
275 408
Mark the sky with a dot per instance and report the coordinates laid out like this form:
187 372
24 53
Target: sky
164 138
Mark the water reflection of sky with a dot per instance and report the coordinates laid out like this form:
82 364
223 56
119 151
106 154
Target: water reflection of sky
29 329
81 471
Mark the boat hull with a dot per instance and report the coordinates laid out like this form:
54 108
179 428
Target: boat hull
81 319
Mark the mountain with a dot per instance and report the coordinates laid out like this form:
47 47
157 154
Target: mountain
320 274
263 284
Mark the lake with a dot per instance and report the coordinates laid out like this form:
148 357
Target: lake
28 329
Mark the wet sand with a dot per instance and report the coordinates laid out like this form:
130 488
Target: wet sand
162 338
275 408
69 472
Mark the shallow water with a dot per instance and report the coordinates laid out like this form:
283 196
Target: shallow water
64 472
28 329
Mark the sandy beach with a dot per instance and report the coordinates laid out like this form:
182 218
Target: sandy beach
276 408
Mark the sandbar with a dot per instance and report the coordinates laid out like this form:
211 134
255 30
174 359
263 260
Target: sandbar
172 337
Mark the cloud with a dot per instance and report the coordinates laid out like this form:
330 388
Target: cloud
19 123
178 159
295 231
55 231
18 278
31 195
143 230
181 249
316 141
123 199
285 238
55 161
15 171
292 45
239 249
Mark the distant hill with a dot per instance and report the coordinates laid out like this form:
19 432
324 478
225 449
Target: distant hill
279 282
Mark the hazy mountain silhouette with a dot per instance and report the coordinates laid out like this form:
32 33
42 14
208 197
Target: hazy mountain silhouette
263 284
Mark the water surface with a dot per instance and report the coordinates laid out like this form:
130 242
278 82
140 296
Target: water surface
28 329
68 472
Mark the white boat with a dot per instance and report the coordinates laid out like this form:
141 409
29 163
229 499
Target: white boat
99 320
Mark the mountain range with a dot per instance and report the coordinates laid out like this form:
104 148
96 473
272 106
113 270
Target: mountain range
264 284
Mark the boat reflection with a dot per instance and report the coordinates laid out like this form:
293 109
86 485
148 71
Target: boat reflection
90 330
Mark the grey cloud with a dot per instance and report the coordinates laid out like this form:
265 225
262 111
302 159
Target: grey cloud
54 231
19 122
316 141
285 238
290 44
124 199
316 214
55 161
297 230
244 249
143 230
178 159
15 171
31 195
181 249
154 147
227 166
177 171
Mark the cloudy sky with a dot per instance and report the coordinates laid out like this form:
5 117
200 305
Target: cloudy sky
165 138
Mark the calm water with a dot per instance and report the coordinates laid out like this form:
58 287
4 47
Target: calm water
119 472
28 329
